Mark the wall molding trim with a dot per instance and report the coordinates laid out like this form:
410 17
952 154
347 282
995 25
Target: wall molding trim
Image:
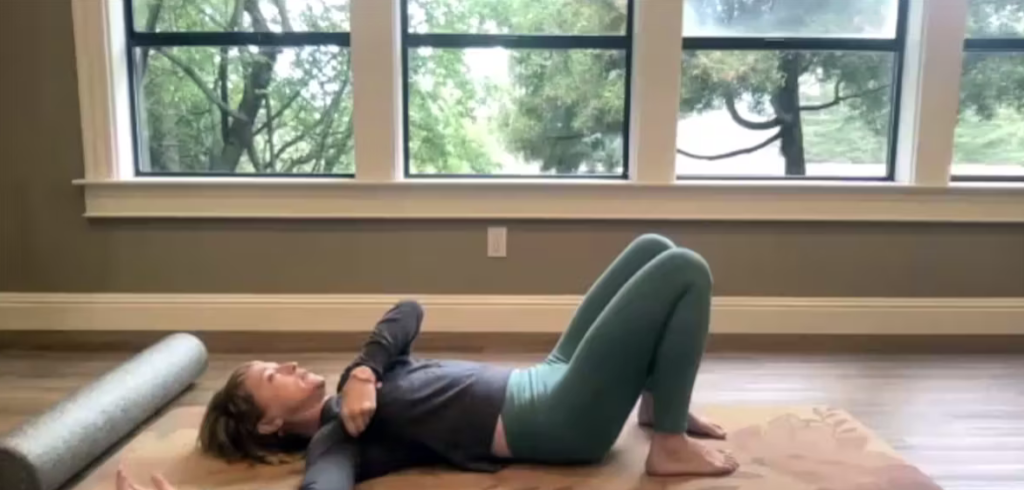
573 199
112 312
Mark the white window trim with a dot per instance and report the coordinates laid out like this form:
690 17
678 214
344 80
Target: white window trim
377 90
931 91
103 92
922 191
654 103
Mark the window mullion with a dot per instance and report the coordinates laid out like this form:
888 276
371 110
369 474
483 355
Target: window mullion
102 52
654 103
376 88
931 82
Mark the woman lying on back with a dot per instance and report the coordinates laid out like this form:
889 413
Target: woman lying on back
639 332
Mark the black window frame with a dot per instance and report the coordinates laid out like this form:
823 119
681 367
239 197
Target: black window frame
990 45
896 46
618 42
141 39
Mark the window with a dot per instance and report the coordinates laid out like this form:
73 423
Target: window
186 105
259 87
790 88
516 87
989 141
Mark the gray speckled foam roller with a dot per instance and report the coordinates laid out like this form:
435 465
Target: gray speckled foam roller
45 452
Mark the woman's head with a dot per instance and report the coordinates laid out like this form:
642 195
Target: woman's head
250 416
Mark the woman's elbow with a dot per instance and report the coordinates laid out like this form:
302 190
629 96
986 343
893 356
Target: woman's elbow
410 307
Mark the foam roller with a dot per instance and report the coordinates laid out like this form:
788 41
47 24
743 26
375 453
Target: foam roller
45 452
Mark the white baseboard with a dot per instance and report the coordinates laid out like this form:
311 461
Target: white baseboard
477 313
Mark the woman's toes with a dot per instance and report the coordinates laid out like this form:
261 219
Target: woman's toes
716 431
704 428
733 462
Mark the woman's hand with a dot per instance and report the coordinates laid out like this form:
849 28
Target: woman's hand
124 483
358 400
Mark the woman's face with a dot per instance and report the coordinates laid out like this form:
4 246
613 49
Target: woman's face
283 391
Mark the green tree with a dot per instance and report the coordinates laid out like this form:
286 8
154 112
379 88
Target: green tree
769 83
289 110
244 109
991 127
564 109
568 111
443 97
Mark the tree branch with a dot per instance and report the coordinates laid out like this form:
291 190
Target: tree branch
324 134
213 20
254 157
346 137
317 155
257 81
222 86
270 134
286 23
270 120
236 15
303 135
191 74
151 21
777 136
331 161
323 123
838 99
222 68
560 137
326 116
730 105
292 165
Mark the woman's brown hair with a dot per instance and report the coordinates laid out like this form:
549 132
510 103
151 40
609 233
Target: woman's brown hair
229 429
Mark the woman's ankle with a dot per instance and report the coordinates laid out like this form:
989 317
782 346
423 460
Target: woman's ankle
645 414
669 440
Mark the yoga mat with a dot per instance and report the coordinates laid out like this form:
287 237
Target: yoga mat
46 451
780 448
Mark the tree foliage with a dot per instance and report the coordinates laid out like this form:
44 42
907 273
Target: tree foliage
772 84
263 109
851 124
991 125
563 109
289 110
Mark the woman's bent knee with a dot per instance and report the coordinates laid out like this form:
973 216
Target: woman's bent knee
653 241
690 264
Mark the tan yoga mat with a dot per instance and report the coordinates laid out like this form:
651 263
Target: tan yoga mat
780 448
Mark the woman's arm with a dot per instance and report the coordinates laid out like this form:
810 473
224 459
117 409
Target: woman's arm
330 464
331 460
336 461
391 339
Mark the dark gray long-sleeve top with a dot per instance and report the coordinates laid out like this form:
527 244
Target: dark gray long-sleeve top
428 412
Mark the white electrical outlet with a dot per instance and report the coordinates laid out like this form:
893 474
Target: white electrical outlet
497 241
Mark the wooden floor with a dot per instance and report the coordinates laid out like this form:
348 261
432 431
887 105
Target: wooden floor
960 418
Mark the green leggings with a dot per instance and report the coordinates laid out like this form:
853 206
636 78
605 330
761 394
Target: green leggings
642 326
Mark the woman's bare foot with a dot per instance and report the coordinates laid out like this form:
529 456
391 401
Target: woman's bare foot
695 425
700 427
679 455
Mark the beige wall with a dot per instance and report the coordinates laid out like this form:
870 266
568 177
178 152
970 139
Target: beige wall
46 246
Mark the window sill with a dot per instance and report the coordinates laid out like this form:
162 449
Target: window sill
562 200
